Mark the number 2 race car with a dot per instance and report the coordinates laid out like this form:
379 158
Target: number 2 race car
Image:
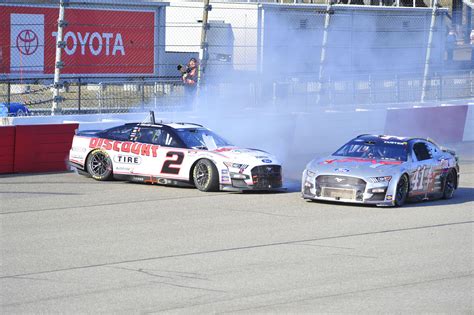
182 154
383 170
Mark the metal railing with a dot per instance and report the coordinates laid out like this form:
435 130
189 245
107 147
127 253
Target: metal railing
119 95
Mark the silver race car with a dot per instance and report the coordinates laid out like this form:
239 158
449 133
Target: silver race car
383 170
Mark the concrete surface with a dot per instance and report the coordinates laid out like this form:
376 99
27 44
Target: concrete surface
70 244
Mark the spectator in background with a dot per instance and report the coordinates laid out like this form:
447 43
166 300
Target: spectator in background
189 75
450 44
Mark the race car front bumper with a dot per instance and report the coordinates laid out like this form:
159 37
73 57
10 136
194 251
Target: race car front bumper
346 189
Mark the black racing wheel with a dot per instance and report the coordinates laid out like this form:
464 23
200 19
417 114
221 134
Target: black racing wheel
402 191
205 176
99 165
449 185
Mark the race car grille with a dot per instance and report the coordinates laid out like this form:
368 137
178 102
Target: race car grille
266 176
340 187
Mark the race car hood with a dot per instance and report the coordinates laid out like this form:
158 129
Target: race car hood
248 156
354 166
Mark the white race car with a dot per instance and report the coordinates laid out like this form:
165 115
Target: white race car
183 154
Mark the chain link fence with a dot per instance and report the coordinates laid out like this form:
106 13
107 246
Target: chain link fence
122 56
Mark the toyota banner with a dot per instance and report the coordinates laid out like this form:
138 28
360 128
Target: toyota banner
97 41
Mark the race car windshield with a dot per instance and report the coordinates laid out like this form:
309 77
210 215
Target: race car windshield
383 150
202 138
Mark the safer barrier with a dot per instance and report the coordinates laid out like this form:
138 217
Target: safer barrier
35 148
7 149
445 124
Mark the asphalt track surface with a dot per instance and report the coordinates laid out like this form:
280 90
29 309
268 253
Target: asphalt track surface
74 245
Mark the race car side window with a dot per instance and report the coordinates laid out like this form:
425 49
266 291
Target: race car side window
121 133
432 148
421 151
167 140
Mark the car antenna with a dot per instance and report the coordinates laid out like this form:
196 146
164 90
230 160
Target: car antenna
152 117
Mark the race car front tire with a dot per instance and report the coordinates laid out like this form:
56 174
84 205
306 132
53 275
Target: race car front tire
205 176
99 165
449 184
402 191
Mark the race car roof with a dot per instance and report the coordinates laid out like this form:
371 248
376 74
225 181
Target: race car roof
174 125
384 138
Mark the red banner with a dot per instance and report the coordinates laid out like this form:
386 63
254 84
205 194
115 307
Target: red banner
98 41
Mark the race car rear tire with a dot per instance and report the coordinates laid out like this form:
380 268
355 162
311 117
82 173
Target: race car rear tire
449 185
402 191
205 176
99 165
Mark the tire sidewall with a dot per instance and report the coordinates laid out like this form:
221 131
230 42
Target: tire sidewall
212 183
399 203
445 195
105 176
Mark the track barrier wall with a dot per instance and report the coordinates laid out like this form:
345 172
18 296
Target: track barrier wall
445 124
7 149
35 148
41 148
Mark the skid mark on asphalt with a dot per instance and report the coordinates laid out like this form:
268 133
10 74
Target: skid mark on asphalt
355 292
116 203
222 250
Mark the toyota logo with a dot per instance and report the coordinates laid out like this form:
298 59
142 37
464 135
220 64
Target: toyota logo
27 42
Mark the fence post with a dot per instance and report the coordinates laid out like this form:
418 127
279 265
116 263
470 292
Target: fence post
440 87
60 44
9 93
143 94
79 95
428 50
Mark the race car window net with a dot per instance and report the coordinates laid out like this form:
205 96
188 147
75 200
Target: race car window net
374 150
203 139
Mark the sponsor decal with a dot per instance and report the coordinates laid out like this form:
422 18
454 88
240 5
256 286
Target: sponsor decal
30 34
142 149
26 43
388 197
342 170
261 157
266 161
225 178
78 149
360 160
224 172
395 142
225 150
127 159
76 156
122 168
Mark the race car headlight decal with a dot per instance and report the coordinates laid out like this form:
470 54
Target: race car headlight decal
310 173
380 179
236 165
239 176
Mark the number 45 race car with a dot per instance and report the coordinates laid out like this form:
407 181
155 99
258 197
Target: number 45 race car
182 154
383 170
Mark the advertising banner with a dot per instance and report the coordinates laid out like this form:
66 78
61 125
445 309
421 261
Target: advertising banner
98 41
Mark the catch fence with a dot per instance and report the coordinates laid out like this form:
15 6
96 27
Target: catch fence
121 56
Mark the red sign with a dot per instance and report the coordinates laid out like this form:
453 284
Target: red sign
97 41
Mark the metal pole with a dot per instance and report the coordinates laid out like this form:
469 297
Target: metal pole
322 61
79 95
428 51
60 44
203 54
8 93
